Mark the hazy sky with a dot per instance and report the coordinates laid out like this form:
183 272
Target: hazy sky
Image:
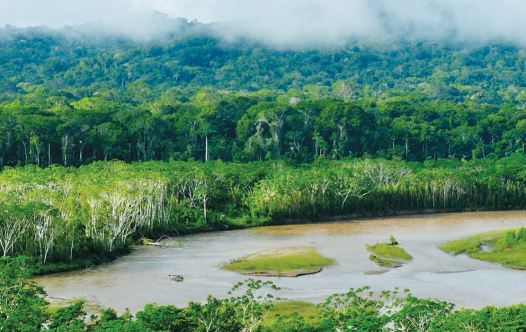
288 22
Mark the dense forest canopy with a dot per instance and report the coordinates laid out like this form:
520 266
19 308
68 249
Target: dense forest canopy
79 64
70 98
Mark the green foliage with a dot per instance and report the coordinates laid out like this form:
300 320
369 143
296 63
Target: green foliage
286 312
504 247
355 310
109 321
22 305
193 59
239 127
194 98
514 238
245 309
512 319
68 319
375 186
166 318
416 314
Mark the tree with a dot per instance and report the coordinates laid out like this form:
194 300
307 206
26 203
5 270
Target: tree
166 318
13 224
22 304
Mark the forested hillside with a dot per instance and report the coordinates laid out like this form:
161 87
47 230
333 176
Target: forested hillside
79 65
71 99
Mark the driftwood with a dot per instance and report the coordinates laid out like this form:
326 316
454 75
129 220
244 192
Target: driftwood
165 242
176 277
288 274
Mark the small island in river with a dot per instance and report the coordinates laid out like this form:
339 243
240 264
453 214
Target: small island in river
388 254
283 262
507 248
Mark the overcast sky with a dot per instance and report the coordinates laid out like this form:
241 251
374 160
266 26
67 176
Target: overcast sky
287 22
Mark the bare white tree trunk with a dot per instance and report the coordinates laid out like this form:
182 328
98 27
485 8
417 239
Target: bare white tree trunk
206 148
11 229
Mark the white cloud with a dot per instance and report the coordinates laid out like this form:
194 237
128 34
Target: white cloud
288 22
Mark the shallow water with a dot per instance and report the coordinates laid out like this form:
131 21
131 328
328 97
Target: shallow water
143 276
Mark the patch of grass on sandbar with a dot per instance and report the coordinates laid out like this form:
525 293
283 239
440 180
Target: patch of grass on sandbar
388 254
285 262
88 306
308 311
507 247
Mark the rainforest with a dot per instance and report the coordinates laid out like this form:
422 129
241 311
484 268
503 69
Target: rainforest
229 167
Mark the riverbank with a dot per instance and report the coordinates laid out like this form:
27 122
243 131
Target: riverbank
94 261
104 207
77 264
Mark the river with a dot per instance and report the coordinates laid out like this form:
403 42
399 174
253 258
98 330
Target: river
143 276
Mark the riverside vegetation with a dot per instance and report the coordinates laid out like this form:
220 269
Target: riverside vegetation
70 217
503 247
250 307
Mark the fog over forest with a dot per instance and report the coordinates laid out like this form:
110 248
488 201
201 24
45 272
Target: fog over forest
292 23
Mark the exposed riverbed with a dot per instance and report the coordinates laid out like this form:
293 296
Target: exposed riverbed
144 275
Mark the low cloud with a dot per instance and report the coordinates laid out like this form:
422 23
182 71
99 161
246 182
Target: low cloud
290 23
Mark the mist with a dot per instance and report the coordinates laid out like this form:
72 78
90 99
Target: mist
290 23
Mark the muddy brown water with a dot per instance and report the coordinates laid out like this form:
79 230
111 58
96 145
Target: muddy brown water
144 276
